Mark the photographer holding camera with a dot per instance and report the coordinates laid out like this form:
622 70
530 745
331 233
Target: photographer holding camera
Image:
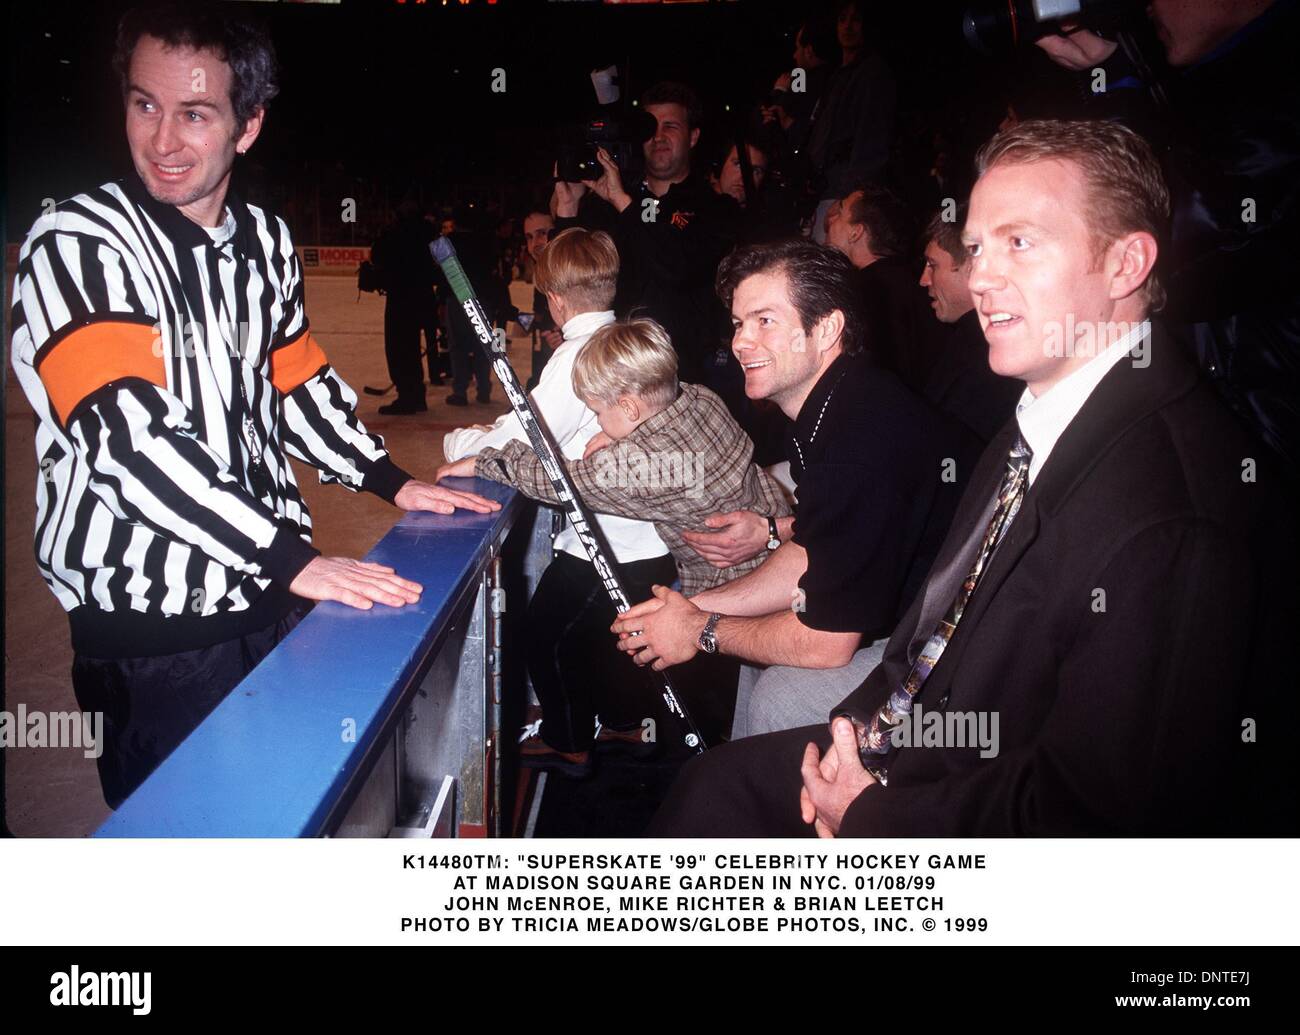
671 230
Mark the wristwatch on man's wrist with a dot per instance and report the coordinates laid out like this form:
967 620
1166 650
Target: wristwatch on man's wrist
708 641
773 536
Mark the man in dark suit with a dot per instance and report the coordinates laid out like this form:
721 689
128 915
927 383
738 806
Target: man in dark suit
1113 596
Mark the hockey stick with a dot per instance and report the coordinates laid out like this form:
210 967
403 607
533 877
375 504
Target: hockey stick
548 453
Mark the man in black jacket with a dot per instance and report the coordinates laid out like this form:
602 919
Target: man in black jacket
1111 598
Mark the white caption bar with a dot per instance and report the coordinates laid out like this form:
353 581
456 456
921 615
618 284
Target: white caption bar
1175 892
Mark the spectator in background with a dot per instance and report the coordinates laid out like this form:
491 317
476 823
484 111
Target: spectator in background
769 207
671 230
468 360
816 52
870 225
435 341
1229 140
961 383
402 257
538 228
854 123
730 178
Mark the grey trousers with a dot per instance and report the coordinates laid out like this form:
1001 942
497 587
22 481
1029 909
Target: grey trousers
782 697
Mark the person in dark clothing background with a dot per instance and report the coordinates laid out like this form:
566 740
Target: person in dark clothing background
437 358
1229 141
961 382
854 122
816 53
871 226
468 360
538 228
402 256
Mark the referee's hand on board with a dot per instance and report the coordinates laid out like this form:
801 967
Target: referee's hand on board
417 495
358 584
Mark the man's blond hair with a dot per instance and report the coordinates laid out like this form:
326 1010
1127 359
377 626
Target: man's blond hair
630 357
1126 189
580 267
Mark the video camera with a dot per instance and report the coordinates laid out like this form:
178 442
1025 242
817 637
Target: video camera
621 132
621 135
998 26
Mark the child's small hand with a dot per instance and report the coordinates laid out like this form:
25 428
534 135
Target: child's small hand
460 469
597 441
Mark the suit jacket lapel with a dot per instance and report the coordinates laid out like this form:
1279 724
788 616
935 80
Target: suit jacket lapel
1124 396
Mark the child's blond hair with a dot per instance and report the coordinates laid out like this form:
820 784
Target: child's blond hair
629 357
580 267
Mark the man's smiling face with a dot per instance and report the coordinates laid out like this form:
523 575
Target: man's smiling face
769 340
181 127
1033 266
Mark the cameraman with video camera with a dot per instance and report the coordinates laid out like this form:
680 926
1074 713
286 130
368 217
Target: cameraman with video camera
1224 117
671 230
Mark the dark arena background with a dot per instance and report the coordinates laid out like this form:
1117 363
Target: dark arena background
681 472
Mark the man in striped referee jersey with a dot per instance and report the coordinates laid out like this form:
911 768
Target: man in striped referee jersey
159 333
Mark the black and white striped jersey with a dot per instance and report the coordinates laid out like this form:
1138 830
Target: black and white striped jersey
172 374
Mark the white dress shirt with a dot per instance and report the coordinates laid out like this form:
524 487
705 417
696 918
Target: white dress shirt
1044 419
572 424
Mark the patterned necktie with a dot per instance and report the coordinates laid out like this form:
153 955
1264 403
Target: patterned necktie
874 737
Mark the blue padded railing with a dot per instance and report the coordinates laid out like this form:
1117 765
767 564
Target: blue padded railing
270 761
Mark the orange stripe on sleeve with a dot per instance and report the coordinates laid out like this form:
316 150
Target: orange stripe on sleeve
95 355
296 362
